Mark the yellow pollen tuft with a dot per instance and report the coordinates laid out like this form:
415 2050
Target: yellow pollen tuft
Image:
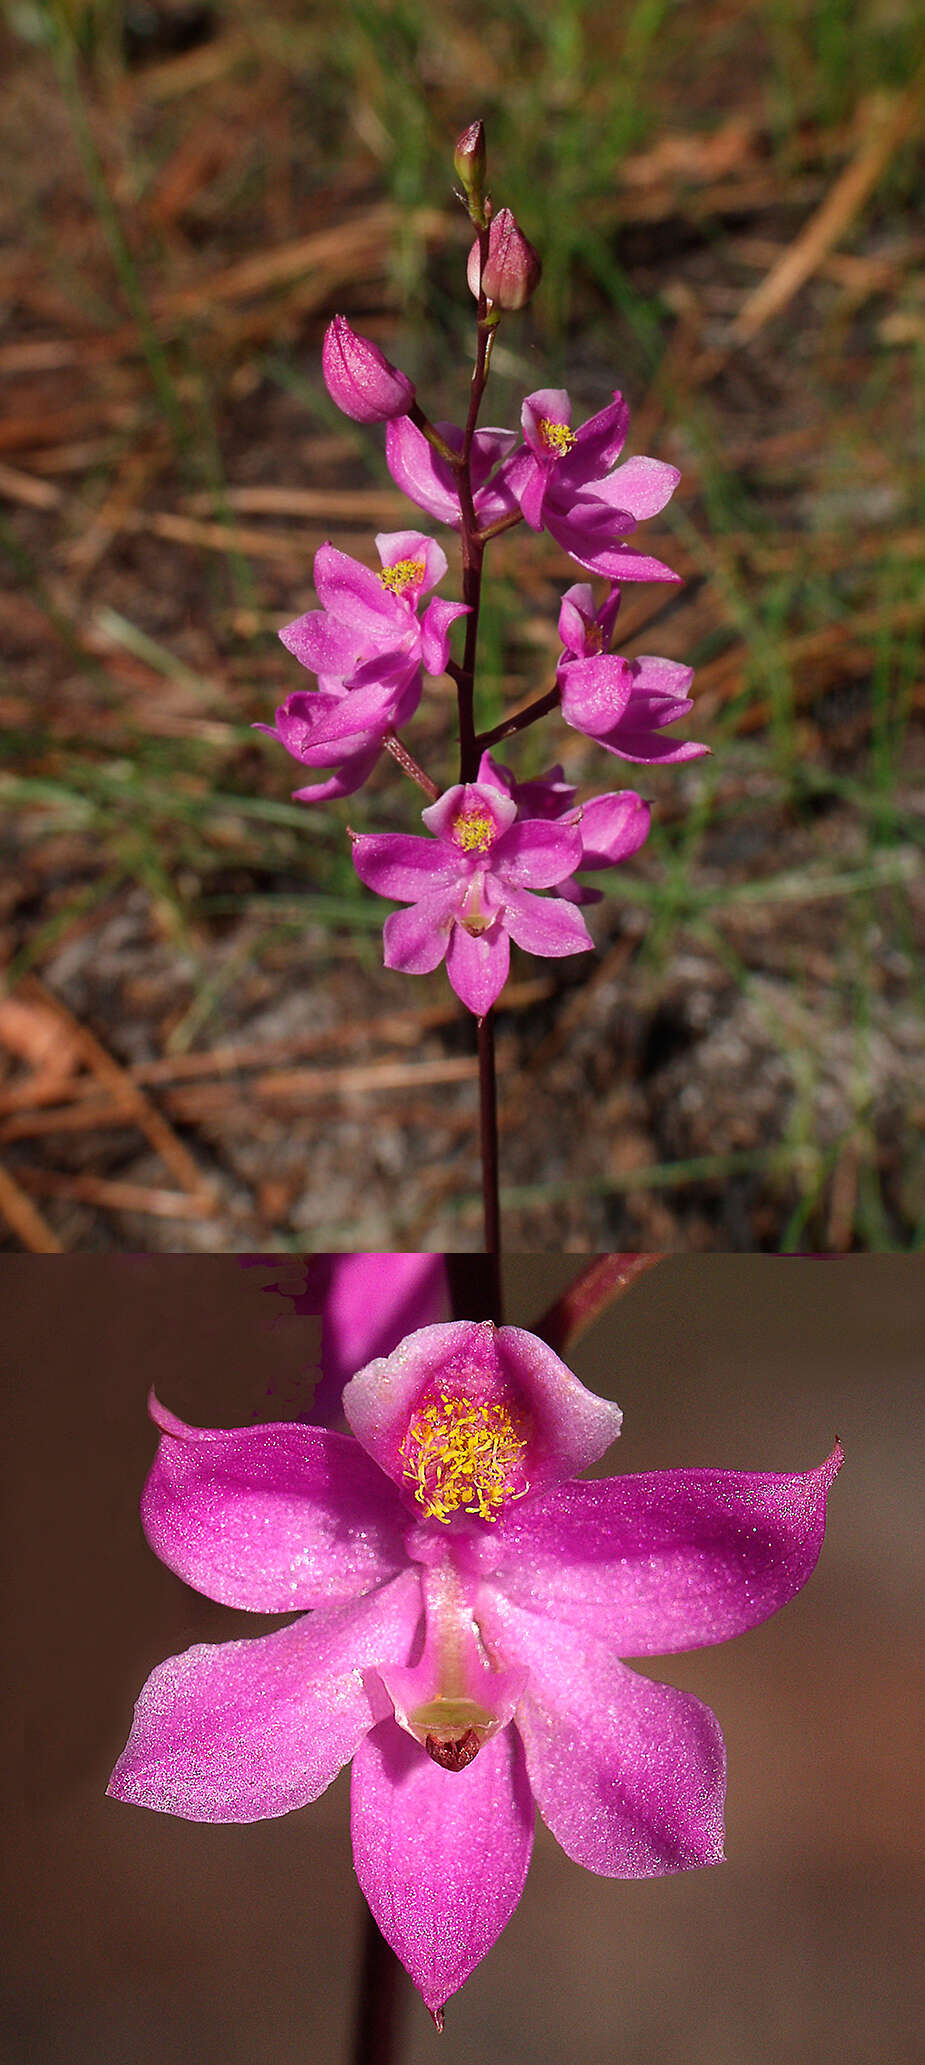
402 575
557 437
462 1455
475 832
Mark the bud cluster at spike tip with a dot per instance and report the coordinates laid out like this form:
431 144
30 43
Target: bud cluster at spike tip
451 1526
370 647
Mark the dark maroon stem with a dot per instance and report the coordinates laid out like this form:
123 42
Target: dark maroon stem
475 1287
506 729
603 1280
382 1998
488 1127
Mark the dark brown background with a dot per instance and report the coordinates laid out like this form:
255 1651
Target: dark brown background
141 1938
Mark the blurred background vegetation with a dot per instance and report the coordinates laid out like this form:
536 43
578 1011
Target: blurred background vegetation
198 1045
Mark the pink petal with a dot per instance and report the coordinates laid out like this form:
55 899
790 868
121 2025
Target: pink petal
350 776
547 925
668 1560
319 642
270 1518
355 596
403 865
367 1303
576 616
642 486
613 828
595 692
629 1775
571 1427
468 799
243 1731
478 965
416 940
645 748
598 444
547 405
536 853
435 629
441 1856
531 493
421 475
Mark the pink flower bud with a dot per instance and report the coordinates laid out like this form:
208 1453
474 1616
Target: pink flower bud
469 159
512 272
360 379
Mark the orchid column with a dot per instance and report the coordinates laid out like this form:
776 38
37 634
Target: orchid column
503 857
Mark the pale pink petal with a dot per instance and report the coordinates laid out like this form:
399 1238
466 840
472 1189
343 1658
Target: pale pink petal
569 1427
270 1518
356 596
435 629
403 865
478 965
416 940
668 1560
548 925
642 486
243 1731
536 853
395 546
416 469
629 1775
469 799
441 1856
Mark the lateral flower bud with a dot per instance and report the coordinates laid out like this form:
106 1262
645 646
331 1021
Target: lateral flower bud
359 377
512 269
469 159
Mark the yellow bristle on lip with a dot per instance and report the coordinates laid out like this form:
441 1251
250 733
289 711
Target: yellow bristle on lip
463 1456
557 437
402 575
475 832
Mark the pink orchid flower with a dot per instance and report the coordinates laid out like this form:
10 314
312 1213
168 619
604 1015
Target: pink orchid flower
469 1602
563 483
471 890
367 646
429 480
612 827
621 704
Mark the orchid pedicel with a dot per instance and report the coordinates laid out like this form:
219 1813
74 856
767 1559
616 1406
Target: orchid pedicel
465 1602
493 874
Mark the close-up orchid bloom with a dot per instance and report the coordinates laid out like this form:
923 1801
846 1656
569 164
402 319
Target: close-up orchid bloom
466 1602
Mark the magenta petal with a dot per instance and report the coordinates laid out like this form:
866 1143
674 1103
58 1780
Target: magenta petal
613 828
270 1518
671 1559
478 966
598 444
421 475
595 692
355 596
403 865
350 776
242 1731
531 494
548 925
536 853
646 749
319 642
416 940
441 1856
369 1303
629 1775
435 629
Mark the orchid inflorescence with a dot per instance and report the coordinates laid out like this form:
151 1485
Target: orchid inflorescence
496 844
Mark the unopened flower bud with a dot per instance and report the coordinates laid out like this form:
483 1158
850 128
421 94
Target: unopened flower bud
512 269
469 159
359 377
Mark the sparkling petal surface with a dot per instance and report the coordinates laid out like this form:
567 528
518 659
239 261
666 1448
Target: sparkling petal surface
416 940
668 1560
403 865
537 853
629 1775
478 966
547 925
441 1856
243 1731
269 1518
355 596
